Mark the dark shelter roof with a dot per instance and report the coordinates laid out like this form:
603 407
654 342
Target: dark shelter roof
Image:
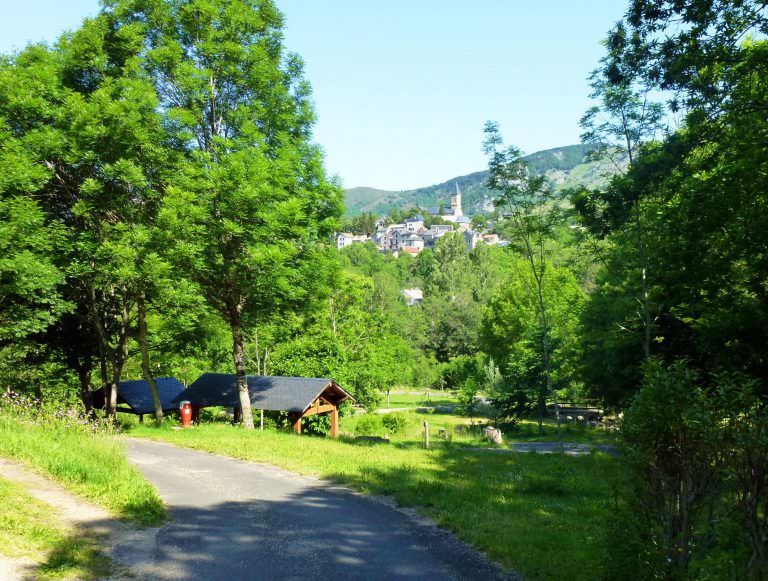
292 394
136 395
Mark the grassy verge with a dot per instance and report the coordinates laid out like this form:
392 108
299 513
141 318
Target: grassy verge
29 528
417 400
468 431
541 515
90 464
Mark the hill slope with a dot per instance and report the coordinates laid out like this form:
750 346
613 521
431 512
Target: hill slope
564 167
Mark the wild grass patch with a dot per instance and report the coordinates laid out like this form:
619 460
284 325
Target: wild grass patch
30 528
82 455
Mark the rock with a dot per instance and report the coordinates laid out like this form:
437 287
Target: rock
493 434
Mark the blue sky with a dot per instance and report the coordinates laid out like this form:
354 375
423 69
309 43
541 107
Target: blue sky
403 87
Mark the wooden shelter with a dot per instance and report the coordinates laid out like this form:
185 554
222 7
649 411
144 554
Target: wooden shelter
299 396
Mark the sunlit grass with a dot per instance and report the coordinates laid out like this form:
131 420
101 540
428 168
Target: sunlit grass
93 465
30 528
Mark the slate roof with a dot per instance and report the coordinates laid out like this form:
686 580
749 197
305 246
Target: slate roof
416 218
137 396
292 394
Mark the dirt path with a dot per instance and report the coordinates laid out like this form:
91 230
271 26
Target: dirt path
124 544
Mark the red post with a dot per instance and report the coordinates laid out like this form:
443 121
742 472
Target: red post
185 410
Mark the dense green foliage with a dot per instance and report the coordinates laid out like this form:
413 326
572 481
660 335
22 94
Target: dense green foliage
675 329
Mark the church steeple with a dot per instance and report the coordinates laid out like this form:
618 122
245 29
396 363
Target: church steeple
456 202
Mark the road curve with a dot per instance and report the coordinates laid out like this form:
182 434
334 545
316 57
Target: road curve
235 520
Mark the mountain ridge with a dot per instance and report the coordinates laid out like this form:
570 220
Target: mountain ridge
565 167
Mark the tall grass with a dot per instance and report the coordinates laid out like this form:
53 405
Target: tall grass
81 454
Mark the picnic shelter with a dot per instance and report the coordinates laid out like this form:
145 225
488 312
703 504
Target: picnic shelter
299 396
135 397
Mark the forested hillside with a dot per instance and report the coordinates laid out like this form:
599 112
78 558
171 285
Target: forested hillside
564 167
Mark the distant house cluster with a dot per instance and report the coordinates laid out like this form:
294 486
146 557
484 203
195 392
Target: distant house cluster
411 236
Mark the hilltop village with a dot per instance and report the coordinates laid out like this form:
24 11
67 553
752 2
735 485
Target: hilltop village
412 236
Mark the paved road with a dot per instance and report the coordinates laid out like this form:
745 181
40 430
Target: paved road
568 448
234 520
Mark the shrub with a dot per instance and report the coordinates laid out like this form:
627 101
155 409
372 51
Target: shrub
369 425
346 409
394 423
318 425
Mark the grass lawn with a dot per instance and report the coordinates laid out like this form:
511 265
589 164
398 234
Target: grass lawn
541 515
90 464
29 528
468 431
418 400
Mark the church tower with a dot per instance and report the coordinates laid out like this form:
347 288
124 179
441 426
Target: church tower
456 202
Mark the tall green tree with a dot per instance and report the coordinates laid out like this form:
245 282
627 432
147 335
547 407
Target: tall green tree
624 119
525 197
259 203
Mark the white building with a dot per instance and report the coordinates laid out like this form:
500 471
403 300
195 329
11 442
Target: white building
345 239
413 296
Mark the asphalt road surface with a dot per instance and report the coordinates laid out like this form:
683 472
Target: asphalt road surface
235 520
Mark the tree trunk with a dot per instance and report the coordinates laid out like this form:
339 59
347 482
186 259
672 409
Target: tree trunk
647 320
109 388
238 354
144 348
84 371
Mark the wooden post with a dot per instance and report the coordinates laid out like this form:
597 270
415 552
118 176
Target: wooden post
335 422
261 421
236 415
141 418
426 434
297 424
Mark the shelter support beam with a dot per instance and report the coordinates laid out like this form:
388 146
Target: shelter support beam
335 422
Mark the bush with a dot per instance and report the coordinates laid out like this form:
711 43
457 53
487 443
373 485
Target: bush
394 423
672 431
346 409
369 425
317 425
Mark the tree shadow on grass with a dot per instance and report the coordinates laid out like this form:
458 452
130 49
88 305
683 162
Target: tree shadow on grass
549 509
75 556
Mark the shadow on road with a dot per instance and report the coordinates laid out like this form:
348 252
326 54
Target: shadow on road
301 538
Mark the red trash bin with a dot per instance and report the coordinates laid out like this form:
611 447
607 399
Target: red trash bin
185 410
